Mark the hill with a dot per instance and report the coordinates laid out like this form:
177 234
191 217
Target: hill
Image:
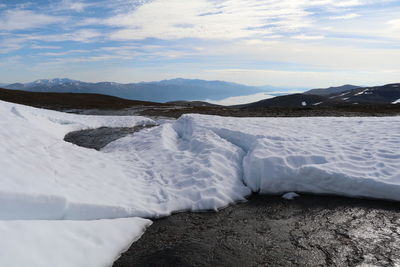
62 101
386 94
331 90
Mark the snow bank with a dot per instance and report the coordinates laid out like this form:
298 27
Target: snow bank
346 156
56 179
44 178
67 243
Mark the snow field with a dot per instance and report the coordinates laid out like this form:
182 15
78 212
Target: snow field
197 162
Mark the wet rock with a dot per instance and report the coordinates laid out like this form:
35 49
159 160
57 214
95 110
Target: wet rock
271 231
100 137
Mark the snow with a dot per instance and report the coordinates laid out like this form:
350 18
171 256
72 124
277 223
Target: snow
356 157
346 93
40 173
396 102
197 162
362 92
67 243
64 181
290 195
304 103
316 104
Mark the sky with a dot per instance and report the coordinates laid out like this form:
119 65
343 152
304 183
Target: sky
285 43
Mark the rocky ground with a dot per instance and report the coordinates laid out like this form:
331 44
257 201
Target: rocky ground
271 231
177 111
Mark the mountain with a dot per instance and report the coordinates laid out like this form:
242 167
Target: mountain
331 90
386 94
162 91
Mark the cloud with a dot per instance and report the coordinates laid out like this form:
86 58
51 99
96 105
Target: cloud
345 16
229 19
394 24
45 47
76 6
244 99
207 19
291 37
18 19
308 37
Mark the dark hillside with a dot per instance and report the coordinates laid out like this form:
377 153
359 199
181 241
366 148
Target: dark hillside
62 101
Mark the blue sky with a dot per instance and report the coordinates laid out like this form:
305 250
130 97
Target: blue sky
287 43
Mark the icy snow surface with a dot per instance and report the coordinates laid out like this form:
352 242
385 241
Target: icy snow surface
67 243
195 163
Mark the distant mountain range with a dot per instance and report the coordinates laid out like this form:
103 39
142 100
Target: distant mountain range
162 91
184 91
386 94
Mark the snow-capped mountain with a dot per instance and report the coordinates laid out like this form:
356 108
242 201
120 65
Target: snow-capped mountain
53 82
162 91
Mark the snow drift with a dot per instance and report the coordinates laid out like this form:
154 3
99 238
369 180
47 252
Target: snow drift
195 163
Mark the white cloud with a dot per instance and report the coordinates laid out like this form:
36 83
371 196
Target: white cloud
308 37
238 100
45 47
18 19
76 6
226 19
394 24
208 20
345 16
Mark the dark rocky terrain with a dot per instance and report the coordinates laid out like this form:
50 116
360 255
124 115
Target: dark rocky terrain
386 94
99 138
271 231
332 90
66 101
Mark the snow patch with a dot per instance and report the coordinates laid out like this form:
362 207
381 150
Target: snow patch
290 196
